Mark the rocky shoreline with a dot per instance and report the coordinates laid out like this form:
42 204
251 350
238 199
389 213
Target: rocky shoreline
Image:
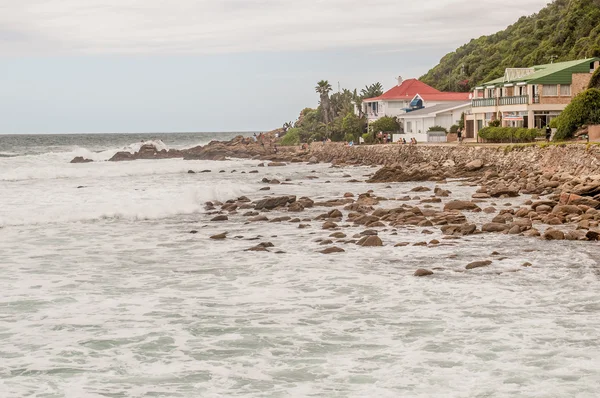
563 184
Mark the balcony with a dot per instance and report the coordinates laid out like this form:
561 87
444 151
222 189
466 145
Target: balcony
516 100
481 102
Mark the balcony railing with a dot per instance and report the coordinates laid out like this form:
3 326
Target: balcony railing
477 103
516 100
536 99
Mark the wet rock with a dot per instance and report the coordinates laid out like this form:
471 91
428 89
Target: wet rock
333 249
329 225
553 234
593 234
193 231
478 264
423 272
253 172
272 203
401 244
191 172
265 189
474 165
494 227
221 217
296 207
258 219
420 189
219 236
338 235
370 241
81 159
348 195
276 164
461 205
526 264
532 233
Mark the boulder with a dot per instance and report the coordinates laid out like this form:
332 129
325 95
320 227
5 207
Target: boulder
219 236
272 203
81 159
370 241
296 207
423 272
220 217
494 227
331 250
478 264
474 165
553 234
277 164
461 205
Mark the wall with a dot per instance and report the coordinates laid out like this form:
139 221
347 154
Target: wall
594 133
580 82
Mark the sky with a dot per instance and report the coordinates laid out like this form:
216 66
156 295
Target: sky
75 66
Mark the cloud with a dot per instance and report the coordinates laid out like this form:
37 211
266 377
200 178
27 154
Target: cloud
232 26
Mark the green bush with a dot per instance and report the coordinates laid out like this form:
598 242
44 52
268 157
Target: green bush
454 128
581 111
385 124
595 80
350 137
494 123
509 134
368 137
291 138
437 128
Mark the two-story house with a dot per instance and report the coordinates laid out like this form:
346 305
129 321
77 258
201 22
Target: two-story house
407 95
529 97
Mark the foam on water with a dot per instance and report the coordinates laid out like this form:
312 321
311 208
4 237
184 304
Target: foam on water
106 293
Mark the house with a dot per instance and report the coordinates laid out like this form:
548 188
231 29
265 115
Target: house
529 97
406 96
445 114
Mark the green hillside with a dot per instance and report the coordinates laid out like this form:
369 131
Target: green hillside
564 30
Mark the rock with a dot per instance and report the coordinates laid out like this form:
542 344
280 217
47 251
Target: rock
193 231
567 209
265 189
335 214
331 250
460 205
423 272
494 227
474 165
593 234
401 244
81 159
313 160
441 192
348 195
329 225
370 241
296 207
503 192
553 234
191 172
221 217
338 235
478 264
480 196
219 236
258 219
272 203
205 171
532 233
526 264
420 189
277 164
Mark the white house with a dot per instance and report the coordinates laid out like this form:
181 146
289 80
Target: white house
445 114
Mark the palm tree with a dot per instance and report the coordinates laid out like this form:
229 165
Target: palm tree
323 88
372 91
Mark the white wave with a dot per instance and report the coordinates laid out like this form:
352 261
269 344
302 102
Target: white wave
8 154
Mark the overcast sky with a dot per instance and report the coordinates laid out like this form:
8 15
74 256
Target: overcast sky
218 65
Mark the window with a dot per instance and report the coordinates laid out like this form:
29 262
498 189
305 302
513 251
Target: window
565 90
409 127
491 93
550 90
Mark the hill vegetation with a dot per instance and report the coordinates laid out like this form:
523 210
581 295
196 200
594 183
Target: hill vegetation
562 31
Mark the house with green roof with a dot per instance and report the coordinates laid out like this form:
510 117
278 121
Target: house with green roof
528 97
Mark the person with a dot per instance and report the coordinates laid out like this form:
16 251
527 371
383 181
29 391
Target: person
351 143
548 133
380 137
404 141
459 134
254 136
275 148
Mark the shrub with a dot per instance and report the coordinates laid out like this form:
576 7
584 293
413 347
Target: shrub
368 137
509 134
292 137
350 137
595 80
386 124
494 123
438 128
581 111
454 128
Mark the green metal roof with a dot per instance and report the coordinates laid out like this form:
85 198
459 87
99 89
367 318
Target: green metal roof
558 73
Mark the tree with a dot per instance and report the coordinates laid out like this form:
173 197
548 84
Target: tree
372 91
582 110
353 125
323 88
385 124
595 80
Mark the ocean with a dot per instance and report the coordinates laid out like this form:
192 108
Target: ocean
105 292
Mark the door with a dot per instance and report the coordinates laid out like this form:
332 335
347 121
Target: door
470 129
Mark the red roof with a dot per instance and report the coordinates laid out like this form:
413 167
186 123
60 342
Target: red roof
406 91
445 97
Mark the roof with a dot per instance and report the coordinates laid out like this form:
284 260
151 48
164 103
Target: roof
436 109
558 73
406 91
445 97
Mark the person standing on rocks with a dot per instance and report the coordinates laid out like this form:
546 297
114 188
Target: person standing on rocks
548 133
459 134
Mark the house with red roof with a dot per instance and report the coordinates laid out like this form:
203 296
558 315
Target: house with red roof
408 95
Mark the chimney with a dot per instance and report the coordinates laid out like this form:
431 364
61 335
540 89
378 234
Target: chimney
400 80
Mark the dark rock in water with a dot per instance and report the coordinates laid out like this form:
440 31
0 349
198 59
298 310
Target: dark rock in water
554 234
423 272
221 217
593 234
370 241
494 227
331 250
265 189
460 205
81 159
478 264
526 264
81 186
193 231
272 203
191 172
329 225
219 236
276 164
205 171
253 172
420 189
